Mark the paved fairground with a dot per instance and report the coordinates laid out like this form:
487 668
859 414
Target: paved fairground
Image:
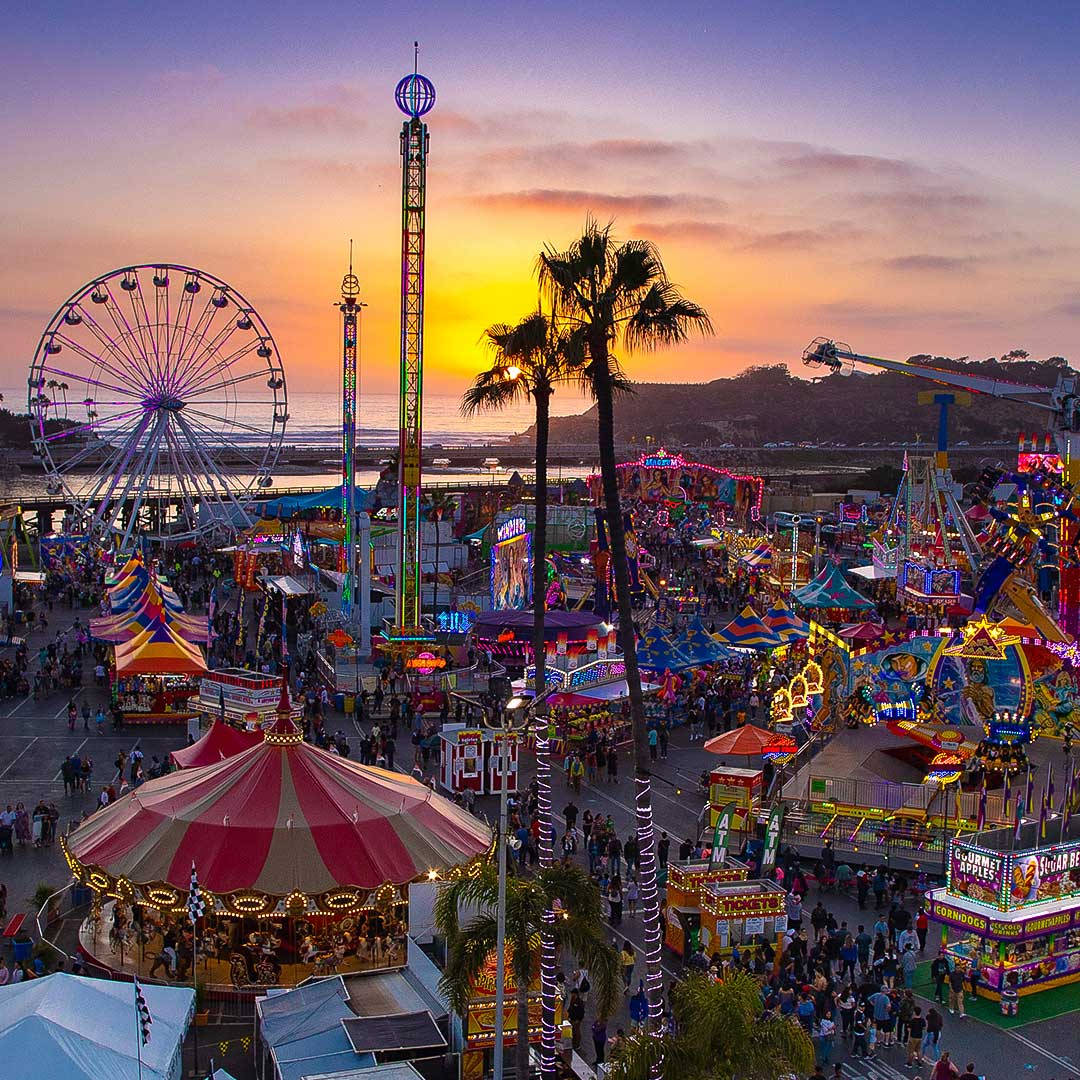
1040 1043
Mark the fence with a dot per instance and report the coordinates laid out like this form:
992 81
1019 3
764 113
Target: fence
886 795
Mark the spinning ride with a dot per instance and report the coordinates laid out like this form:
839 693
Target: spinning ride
156 386
304 859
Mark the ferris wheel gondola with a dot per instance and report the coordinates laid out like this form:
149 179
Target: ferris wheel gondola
157 404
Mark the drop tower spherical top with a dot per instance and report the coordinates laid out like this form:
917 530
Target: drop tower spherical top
415 95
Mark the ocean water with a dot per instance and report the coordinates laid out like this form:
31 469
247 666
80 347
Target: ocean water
315 419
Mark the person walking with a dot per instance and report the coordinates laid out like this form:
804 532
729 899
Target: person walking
599 1038
939 972
916 1031
575 1013
944 1069
956 991
628 958
934 1023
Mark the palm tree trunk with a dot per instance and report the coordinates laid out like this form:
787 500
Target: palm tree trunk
521 1047
542 398
605 424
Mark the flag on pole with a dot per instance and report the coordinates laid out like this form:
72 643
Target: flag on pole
1029 798
195 904
1006 798
1042 819
211 611
1049 785
1019 814
980 820
720 834
145 1019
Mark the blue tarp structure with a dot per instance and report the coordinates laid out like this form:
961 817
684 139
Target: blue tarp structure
65 1027
657 652
696 643
290 505
303 1031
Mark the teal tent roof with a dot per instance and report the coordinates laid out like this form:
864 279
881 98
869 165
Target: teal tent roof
830 590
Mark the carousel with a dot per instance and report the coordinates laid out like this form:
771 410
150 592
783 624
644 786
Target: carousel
303 860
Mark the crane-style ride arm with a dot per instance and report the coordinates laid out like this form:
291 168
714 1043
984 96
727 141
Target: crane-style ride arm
840 360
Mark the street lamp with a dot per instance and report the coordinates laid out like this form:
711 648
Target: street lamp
508 727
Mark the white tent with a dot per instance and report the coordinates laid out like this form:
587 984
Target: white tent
64 1027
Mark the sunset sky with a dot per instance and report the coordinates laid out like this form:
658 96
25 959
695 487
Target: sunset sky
900 176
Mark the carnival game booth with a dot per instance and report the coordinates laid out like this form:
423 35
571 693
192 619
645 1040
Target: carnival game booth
682 913
1016 902
155 676
303 858
741 913
470 759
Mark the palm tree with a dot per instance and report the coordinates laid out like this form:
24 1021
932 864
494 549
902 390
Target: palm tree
530 360
579 930
614 295
439 504
720 1035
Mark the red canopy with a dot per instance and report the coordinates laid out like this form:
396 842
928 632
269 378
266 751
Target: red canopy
280 817
220 742
862 631
746 740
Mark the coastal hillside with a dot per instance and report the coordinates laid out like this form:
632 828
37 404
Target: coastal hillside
769 404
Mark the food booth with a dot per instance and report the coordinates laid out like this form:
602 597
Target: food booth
480 1015
740 912
682 912
154 676
1017 908
728 784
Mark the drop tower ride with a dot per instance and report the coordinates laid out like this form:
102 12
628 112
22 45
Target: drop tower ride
415 97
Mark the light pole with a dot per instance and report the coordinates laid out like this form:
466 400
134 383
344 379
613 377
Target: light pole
508 728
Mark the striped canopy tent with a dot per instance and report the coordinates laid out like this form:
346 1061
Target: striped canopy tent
221 741
699 645
831 591
282 826
151 605
747 631
657 652
781 620
158 649
140 598
758 558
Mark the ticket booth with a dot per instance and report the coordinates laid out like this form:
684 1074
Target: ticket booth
682 914
499 744
461 758
741 913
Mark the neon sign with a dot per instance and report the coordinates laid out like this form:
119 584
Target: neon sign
425 663
508 530
455 622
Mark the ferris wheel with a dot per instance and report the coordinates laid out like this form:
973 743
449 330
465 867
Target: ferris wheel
157 404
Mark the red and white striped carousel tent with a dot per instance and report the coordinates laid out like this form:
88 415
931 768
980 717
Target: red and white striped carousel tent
280 826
